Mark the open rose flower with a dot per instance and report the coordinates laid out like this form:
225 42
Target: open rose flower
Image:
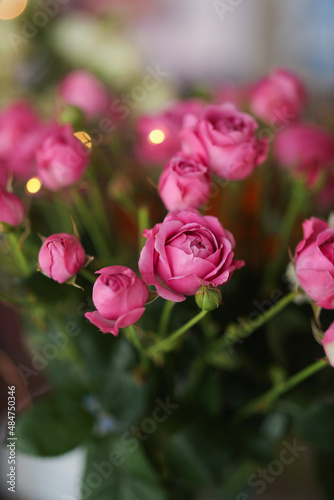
85 91
314 260
184 252
305 149
119 297
184 182
159 149
328 344
278 98
61 158
224 138
11 209
61 256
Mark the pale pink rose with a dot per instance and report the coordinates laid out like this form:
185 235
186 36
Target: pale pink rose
11 208
61 256
184 183
85 91
184 252
224 138
61 158
305 149
119 297
278 98
328 344
314 260
169 122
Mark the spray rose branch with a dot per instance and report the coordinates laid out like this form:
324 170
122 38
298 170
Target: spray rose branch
263 402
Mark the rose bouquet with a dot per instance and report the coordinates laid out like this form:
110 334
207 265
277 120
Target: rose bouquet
108 222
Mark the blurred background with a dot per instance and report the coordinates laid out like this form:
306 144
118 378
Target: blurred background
197 44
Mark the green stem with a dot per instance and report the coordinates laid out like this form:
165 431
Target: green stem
143 223
238 332
263 402
18 254
133 337
165 315
87 275
169 343
19 302
92 228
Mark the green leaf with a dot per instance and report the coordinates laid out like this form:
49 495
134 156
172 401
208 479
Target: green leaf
53 426
121 471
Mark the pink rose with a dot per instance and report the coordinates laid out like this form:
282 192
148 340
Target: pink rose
11 209
328 344
224 138
305 149
85 91
3 175
119 297
169 122
61 256
184 182
278 98
61 158
314 259
19 136
187 250
233 93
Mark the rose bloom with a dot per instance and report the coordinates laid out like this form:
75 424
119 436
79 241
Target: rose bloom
119 297
61 158
278 98
305 149
224 138
328 344
3 174
85 91
185 251
314 260
11 208
169 122
61 256
184 182
19 137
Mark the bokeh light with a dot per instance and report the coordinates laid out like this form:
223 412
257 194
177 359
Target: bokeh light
157 136
33 185
9 9
84 138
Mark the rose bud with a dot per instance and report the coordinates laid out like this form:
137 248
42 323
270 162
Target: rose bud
184 182
61 158
158 134
85 91
184 252
224 139
61 256
314 260
208 298
328 344
278 98
119 297
305 149
11 209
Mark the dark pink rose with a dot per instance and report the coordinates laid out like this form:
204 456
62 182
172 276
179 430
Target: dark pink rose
184 183
61 256
305 149
279 98
3 174
314 259
61 158
85 91
224 138
119 297
169 122
11 209
187 250
328 344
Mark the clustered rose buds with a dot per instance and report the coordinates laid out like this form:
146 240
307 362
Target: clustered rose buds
185 251
119 297
61 256
314 260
